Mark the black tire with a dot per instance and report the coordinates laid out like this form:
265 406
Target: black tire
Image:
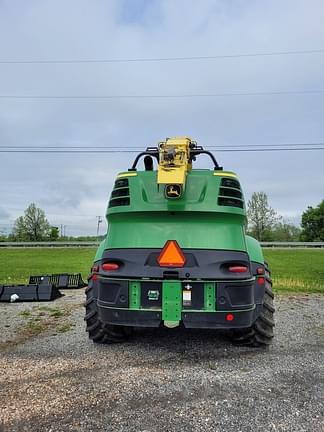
260 334
97 331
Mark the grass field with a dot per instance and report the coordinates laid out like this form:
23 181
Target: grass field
296 270
293 271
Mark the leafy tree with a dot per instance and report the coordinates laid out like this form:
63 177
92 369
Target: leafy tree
261 217
33 226
284 231
313 223
54 233
3 237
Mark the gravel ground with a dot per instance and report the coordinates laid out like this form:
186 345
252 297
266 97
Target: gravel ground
164 380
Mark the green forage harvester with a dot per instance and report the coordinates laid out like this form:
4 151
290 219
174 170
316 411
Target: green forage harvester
176 253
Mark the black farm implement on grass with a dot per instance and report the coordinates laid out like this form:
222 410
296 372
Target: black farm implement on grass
41 288
60 280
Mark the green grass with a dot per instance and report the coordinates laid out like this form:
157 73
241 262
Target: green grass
16 265
296 270
293 270
53 312
65 327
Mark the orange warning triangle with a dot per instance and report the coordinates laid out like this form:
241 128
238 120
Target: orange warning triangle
171 255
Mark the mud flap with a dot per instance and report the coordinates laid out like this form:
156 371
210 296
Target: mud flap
22 293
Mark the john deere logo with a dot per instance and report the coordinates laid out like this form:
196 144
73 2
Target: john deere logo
173 191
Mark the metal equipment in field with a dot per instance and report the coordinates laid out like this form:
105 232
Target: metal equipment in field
43 291
41 287
176 253
60 280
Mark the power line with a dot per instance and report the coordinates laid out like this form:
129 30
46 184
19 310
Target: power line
214 146
165 59
136 151
170 96
69 151
270 149
267 145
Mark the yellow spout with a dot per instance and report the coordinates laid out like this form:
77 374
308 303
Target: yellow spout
174 161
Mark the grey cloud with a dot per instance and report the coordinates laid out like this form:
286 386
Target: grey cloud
115 29
4 214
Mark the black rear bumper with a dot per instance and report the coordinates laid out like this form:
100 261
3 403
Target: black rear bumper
241 299
206 320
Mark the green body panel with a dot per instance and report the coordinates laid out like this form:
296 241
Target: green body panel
152 230
210 296
254 250
200 194
171 301
134 295
100 250
195 220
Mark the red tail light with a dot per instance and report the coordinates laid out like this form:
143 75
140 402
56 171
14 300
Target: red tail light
229 317
261 280
110 266
238 269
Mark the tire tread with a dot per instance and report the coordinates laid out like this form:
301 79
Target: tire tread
97 331
260 334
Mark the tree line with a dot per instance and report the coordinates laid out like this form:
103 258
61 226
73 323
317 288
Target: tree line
34 226
264 223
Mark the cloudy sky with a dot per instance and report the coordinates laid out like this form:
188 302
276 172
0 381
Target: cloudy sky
73 188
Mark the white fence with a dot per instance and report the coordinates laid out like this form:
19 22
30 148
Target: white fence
93 244
292 244
57 244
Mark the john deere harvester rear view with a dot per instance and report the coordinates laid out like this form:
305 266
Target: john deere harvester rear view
176 253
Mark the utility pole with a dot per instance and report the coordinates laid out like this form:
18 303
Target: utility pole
63 230
98 224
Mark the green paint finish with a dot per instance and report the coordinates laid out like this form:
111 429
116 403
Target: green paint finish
171 301
191 230
134 295
200 194
209 296
254 249
100 250
195 220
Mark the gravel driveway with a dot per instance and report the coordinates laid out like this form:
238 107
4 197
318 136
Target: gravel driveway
53 379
